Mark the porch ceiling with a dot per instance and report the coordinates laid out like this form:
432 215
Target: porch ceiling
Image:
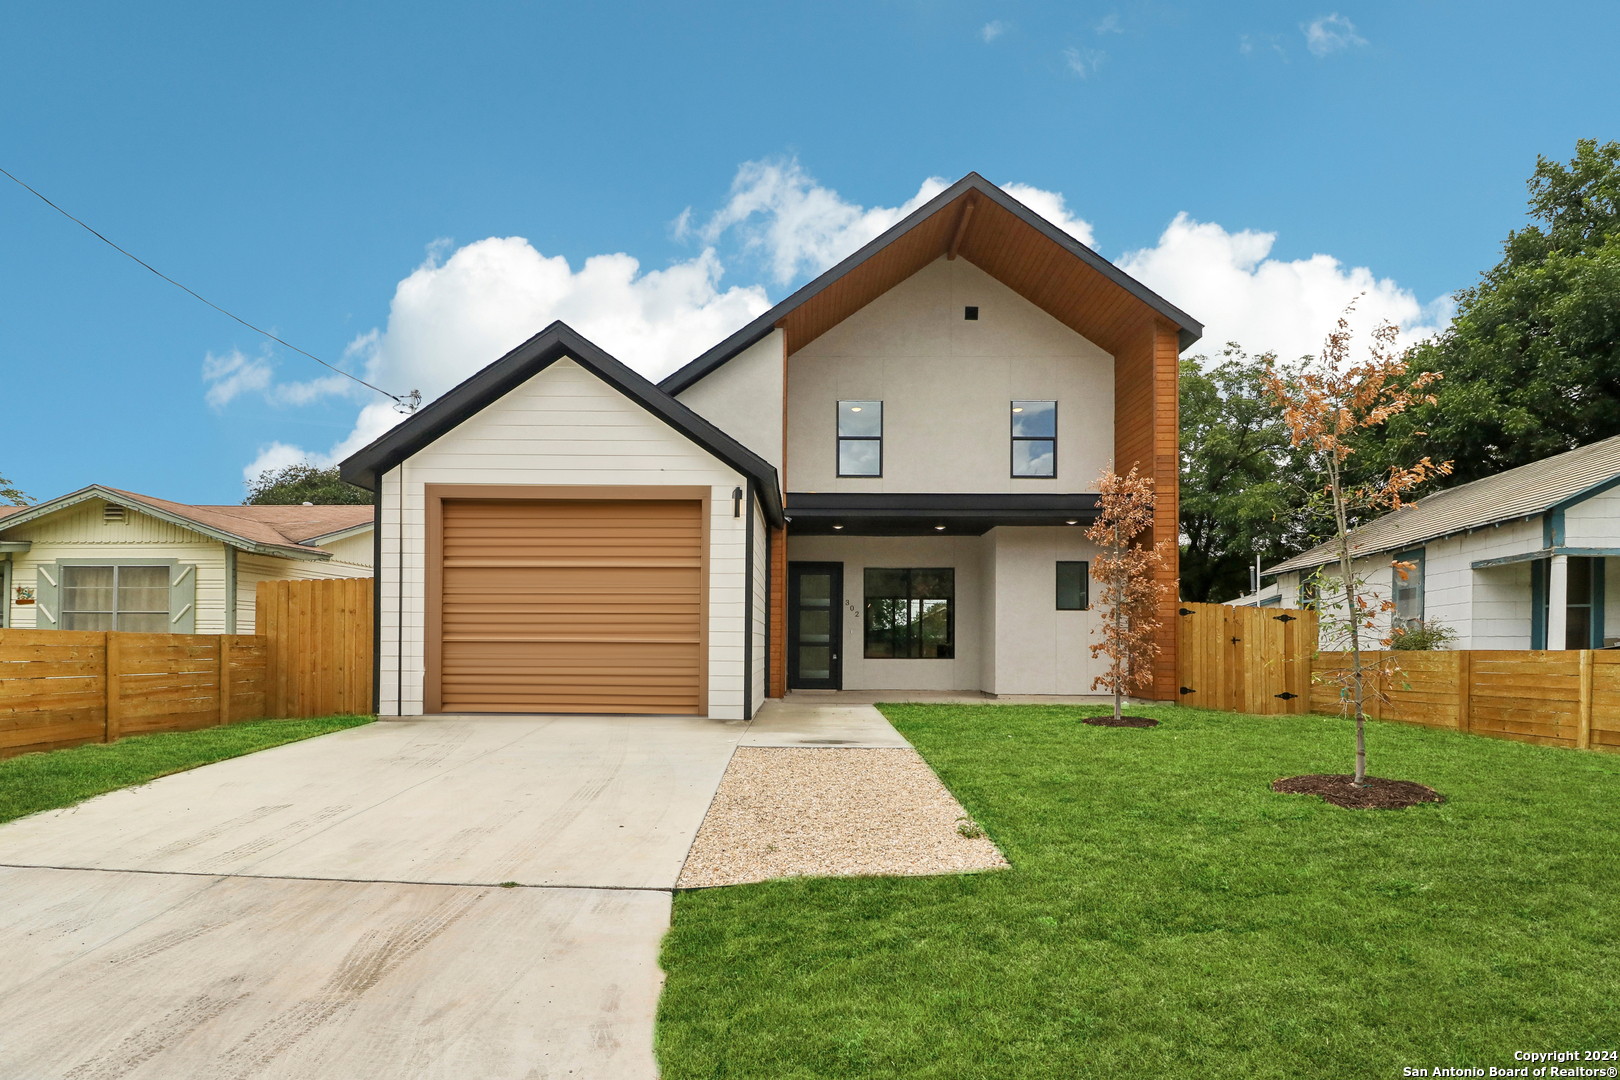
919 514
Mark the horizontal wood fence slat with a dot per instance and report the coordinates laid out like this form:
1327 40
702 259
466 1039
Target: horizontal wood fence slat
1232 660
61 688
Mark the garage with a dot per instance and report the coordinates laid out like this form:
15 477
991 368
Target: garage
574 605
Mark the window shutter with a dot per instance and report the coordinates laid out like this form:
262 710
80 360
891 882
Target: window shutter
183 598
48 596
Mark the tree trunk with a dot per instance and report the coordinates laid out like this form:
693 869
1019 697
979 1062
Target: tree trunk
1353 611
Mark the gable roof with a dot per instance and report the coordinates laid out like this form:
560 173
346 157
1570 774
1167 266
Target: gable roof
283 531
1549 485
992 230
524 362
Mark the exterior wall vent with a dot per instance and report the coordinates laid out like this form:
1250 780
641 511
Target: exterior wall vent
112 513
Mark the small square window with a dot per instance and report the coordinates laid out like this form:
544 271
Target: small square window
970 313
1073 586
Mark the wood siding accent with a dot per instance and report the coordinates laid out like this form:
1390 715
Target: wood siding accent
575 604
779 564
1147 435
998 242
319 638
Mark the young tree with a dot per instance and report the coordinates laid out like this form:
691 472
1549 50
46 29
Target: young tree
302 483
1326 406
1130 596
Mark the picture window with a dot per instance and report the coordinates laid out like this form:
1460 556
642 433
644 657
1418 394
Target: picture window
910 614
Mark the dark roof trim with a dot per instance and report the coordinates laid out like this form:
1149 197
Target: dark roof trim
756 331
523 363
919 514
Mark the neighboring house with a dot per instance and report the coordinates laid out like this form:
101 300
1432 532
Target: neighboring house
104 559
1519 560
1269 596
881 483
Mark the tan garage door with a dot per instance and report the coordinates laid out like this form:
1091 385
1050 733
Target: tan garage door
572 606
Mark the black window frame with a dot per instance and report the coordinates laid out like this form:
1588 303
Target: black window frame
945 650
1085 585
838 449
1012 451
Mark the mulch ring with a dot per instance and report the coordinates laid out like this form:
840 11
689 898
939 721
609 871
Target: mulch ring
1124 721
1378 794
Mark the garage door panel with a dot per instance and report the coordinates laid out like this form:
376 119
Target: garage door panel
572 606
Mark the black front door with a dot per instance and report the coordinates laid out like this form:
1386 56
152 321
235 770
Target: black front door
815 625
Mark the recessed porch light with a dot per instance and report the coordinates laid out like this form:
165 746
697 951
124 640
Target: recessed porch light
939 528
1071 521
838 526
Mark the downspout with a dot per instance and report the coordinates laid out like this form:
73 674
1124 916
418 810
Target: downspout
748 607
376 600
230 589
399 613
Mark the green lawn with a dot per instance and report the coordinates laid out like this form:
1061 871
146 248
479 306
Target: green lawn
1168 915
35 782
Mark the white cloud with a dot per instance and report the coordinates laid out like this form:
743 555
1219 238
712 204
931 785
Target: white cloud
993 30
1051 206
454 315
233 374
1110 24
1083 62
1329 34
1265 304
780 212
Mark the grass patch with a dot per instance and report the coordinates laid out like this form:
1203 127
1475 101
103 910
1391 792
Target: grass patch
1168 915
57 778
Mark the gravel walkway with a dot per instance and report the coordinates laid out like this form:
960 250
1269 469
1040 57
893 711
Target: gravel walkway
831 812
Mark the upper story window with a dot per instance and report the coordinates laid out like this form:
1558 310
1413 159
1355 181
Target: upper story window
1034 438
130 598
860 438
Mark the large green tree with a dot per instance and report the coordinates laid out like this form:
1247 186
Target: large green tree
304 483
1532 357
1241 481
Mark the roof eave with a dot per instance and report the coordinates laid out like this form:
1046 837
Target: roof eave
1190 329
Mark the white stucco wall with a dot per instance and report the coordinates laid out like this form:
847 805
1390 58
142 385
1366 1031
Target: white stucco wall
1010 637
946 385
564 426
961 553
743 397
1037 648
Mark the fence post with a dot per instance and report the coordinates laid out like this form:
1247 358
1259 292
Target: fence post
224 679
1465 688
114 687
1583 730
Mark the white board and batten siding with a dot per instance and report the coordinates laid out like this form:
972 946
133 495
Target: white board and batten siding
564 426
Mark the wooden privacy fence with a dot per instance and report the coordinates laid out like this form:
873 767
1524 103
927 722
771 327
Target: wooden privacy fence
65 687
319 637
1245 659
311 657
1262 660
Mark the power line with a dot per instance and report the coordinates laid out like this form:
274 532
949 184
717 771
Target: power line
407 403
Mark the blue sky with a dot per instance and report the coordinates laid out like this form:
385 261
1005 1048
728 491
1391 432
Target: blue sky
356 177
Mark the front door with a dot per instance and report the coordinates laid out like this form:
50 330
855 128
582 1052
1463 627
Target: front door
815 626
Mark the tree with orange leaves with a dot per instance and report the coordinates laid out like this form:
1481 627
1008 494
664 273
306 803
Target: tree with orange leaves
1325 406
1130 596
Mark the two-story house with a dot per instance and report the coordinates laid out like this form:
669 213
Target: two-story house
881 483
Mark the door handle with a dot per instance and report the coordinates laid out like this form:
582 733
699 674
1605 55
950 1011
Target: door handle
835 656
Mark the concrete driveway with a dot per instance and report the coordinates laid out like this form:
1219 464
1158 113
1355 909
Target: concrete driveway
334 908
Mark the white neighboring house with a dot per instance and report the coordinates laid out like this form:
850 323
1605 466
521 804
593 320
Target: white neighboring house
1519 560
105 559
